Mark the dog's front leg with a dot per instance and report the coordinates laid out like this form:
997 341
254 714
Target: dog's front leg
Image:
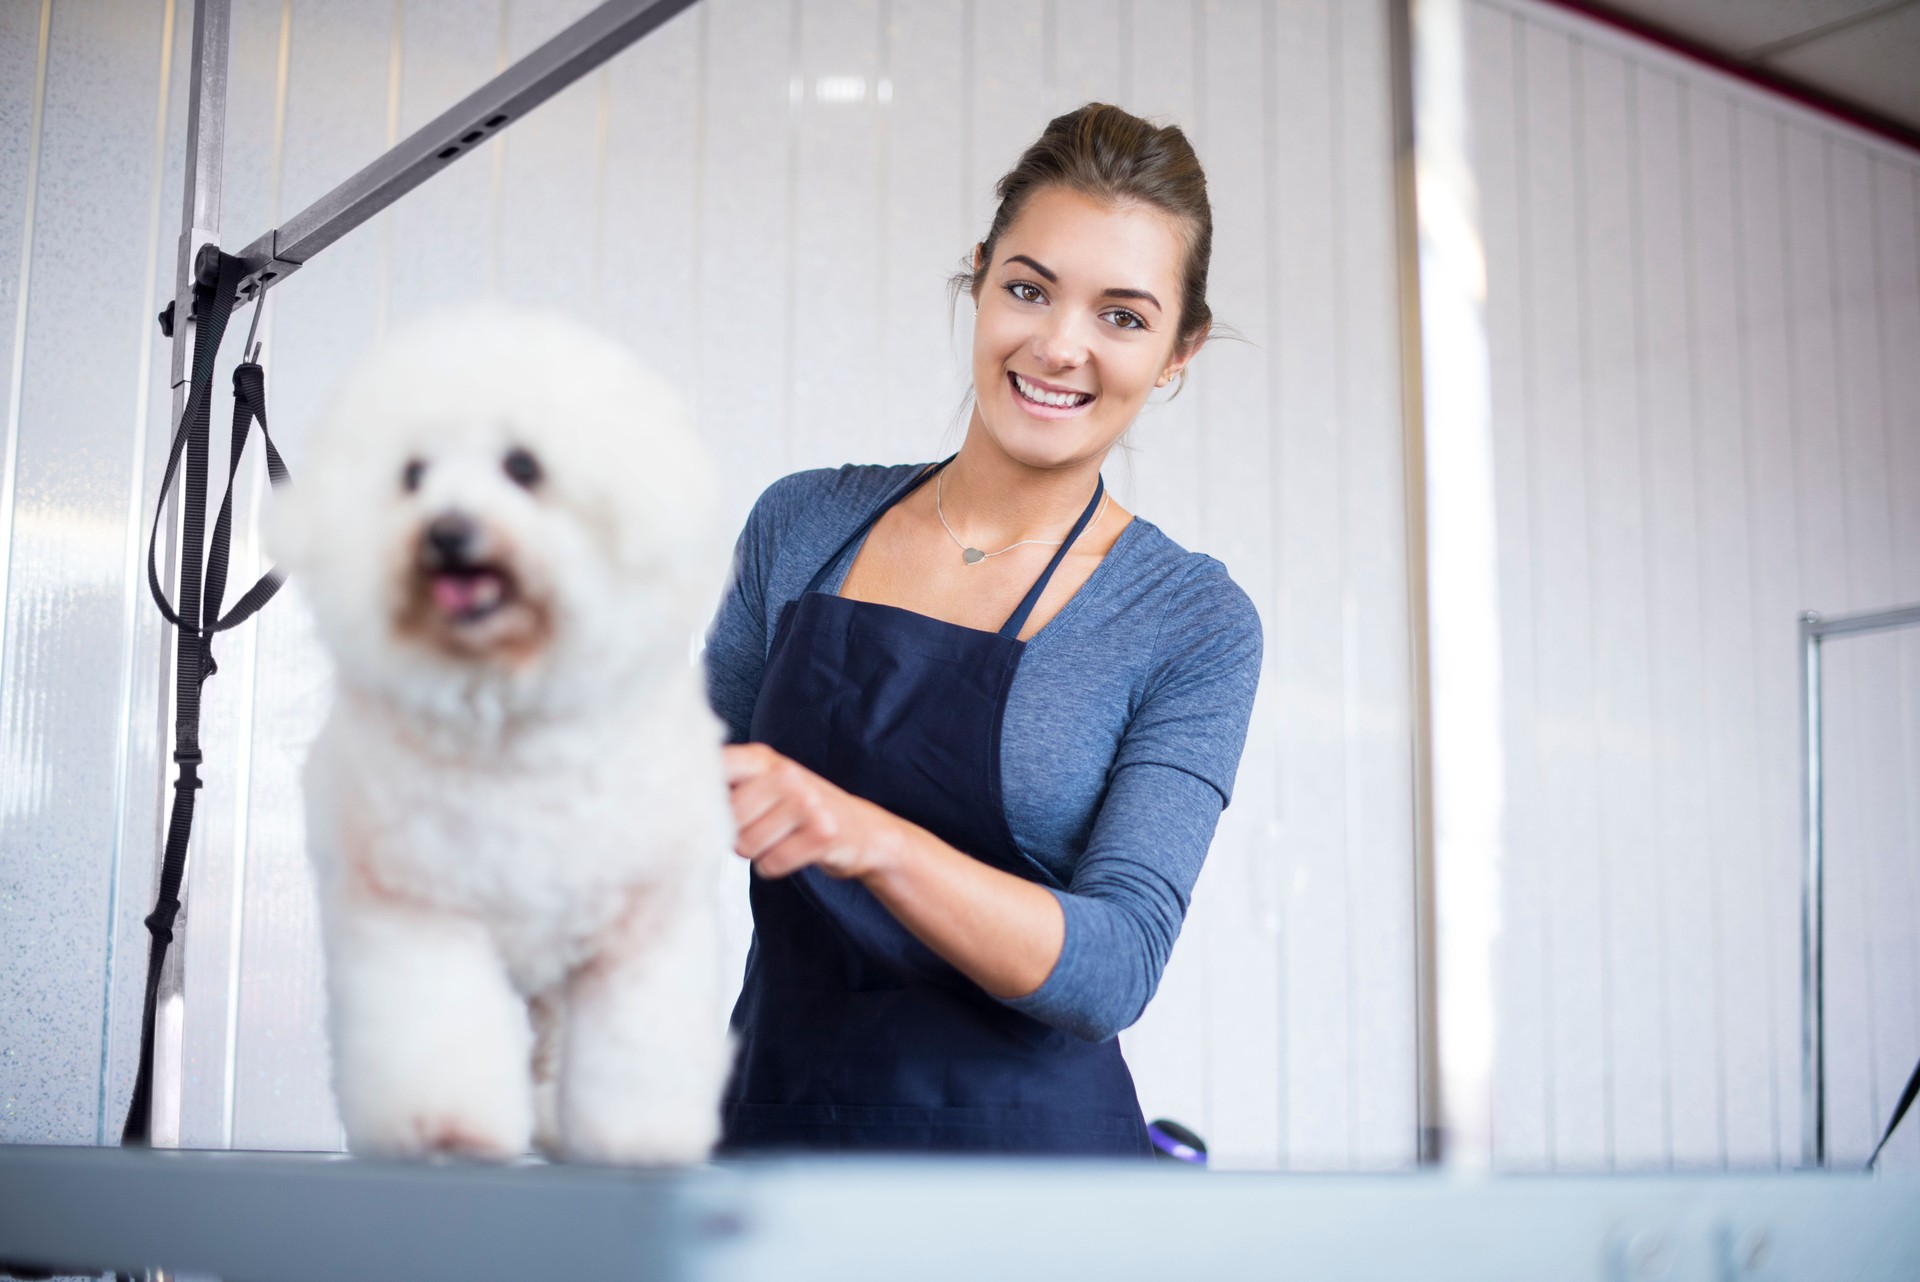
549 1012
647 1052
430 1042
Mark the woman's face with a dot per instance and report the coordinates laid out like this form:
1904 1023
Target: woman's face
1077 319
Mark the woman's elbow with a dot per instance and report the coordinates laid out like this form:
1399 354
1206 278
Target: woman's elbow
1112 977
1117 1010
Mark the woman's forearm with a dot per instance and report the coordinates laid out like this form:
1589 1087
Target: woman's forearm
1001 931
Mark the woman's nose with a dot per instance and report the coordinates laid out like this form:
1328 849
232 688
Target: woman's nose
1060 343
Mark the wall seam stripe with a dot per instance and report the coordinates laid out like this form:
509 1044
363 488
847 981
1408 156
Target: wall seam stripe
133 584
1715 835
1529 396
396 42
1800 575
1336 149
796 102
1643 392
9 481
1577 103
1845 422
1911 744
236 927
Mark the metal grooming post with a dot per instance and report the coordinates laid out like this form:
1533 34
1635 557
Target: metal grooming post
1813 1017
199 225
273 257
1454 599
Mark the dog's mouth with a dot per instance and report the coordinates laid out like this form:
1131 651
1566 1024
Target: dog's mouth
471 593
467 596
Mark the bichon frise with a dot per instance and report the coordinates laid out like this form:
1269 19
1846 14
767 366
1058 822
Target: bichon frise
508 537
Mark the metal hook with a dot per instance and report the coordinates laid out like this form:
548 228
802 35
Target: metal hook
259 305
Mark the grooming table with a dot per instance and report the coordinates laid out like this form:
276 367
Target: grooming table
304 1218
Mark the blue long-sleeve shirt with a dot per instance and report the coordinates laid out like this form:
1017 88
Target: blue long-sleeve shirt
1123 728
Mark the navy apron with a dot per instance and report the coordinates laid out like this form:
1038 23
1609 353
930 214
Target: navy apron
852 1033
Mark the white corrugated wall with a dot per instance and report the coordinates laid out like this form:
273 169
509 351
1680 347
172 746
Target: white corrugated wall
1704 316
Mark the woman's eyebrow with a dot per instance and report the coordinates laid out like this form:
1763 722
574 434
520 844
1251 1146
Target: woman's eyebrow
1022 258
1134 293
1114 292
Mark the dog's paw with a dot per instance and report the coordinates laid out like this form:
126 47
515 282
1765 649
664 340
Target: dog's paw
660 1142
439 1134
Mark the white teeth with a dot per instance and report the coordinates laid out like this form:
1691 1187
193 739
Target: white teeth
1058 400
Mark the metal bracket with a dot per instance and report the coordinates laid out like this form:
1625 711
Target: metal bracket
274 267
206 275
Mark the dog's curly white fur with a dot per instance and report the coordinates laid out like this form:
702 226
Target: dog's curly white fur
509 539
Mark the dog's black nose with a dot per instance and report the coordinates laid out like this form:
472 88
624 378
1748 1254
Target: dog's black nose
451 536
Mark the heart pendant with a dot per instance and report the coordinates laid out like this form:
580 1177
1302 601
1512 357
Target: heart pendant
971 555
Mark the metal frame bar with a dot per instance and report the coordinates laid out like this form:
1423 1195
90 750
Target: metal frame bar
1813 1015
1428 1114
1453 589
199 225
506 98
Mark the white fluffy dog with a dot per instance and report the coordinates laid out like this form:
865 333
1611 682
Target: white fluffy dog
507 534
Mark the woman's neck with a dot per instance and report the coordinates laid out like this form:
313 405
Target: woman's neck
991 499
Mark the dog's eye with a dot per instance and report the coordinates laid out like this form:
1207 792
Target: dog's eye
522 468
411 474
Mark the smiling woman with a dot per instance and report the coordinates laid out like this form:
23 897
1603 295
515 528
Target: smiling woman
985 727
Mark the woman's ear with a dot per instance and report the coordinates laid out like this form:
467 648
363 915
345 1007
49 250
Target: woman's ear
1177 363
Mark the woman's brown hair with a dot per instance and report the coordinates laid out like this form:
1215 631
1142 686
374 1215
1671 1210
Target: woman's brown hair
1109 154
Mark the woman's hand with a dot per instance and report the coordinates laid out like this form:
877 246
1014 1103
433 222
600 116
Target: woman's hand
789 818
1001 931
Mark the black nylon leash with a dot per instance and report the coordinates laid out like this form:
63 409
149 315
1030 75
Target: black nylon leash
1899 1111
194 657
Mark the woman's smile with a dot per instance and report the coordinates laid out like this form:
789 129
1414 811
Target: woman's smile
1047 400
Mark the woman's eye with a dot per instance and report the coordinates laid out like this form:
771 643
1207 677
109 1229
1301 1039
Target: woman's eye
1126 319
1026 291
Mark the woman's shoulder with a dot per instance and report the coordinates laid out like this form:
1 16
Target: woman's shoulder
1193 585
825 495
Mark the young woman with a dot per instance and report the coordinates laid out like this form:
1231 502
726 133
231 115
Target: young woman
986 718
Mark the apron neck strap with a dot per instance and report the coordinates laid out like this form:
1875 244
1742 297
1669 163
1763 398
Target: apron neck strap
820 575
1011 628
1018 620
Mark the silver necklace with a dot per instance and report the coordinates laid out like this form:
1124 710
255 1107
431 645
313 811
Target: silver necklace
973 555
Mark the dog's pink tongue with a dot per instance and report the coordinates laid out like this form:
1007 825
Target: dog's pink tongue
463 593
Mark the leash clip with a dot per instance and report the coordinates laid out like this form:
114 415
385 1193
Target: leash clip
188 760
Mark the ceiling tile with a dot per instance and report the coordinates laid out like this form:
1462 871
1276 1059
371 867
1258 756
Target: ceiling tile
1734 27
1874 63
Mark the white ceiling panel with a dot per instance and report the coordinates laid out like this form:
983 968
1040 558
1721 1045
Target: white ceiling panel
1740 27
1876 64
1865 53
